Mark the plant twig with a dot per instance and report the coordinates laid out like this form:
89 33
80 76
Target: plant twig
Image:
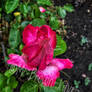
3 50
65 74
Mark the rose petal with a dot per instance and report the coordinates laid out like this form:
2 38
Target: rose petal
19 61
62 63
32 50
30 34
48 75
53 39
46 31
40 53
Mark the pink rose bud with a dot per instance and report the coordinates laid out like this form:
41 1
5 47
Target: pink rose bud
42 10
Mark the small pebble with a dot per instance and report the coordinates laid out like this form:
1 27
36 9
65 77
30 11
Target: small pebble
88 11
84 75
63 22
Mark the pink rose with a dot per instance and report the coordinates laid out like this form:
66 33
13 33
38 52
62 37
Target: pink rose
42 10
39 45
38 54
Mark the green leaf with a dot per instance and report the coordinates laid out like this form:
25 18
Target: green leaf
69 7
59 85
44 2
49 89
62 12
90 67
10 50
38 22
0 9
11 82
11 5
24 24
7 89
61 46
6 58
24 9
0 15
49 13
18 18
76 83
2 81
10 72
32 15
14 36
29 86
36 11
2 4
43 16
83 40
87 81
54 23
21 47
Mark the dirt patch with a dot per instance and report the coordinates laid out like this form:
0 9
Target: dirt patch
79 24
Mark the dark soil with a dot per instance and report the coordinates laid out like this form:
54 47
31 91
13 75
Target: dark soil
79 24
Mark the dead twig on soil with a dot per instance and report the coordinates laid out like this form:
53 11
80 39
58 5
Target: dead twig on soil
3 49
69 88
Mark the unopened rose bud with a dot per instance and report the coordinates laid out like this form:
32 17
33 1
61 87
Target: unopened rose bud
42 10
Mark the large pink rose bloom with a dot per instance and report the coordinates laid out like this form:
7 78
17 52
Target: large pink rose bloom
38 54
38 50
39 45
